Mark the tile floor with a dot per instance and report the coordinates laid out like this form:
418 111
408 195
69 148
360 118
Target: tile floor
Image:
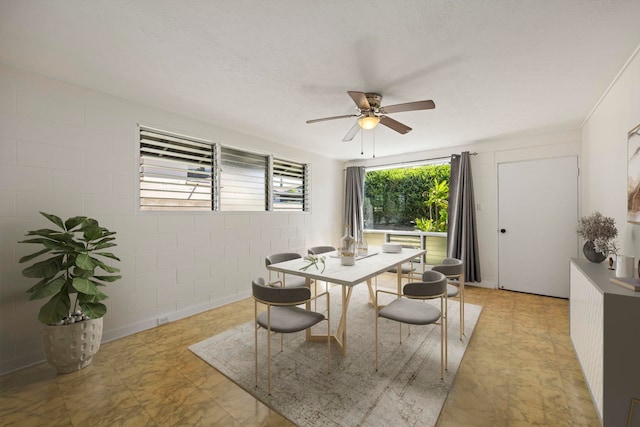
519 369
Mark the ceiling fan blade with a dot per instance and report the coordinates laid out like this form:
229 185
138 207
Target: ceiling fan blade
352 132
360 99
331 118
408 106
394 124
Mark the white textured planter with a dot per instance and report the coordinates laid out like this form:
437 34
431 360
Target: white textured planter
71 347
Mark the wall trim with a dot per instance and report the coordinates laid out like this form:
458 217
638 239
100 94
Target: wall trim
16 365
611 85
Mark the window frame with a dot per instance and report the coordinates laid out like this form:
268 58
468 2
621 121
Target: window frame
183 155
302 172
402 199
248 159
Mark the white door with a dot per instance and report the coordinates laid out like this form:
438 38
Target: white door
537 219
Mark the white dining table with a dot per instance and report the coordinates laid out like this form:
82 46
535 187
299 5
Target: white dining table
365 268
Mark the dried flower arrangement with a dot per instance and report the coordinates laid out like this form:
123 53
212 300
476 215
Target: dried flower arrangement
600 230
607 247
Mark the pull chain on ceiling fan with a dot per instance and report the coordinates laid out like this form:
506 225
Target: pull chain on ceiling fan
371 113
373 143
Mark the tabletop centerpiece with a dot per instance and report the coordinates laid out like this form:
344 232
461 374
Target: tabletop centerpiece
313 261
348 248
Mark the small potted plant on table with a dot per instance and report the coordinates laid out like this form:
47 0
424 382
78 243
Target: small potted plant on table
71 278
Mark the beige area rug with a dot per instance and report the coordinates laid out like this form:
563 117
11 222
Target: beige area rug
406 391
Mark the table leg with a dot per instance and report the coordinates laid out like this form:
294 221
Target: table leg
308 306
372 297
341 332
342 325
340 336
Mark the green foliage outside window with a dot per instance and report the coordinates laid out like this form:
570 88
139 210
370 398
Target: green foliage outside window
407 198
438 204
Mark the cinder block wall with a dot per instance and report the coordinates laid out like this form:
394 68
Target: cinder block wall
71 151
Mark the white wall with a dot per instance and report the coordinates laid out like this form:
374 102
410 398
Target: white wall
484 167
604 139
602 151
71 151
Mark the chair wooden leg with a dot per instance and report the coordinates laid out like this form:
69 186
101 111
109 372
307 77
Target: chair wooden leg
377 308
255 327
461 306
443 330
460 286
445 321
269 351
442 350
328 335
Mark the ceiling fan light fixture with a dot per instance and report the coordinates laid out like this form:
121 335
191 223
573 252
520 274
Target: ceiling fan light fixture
368 122
370 113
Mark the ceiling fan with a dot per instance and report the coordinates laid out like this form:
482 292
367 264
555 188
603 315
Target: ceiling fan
371 113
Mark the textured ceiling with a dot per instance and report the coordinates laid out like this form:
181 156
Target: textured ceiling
493 67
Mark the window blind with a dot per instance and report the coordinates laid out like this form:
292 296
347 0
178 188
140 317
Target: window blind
176 172
289 186
243 178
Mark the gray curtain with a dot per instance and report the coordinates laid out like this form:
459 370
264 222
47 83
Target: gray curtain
354 200
462 235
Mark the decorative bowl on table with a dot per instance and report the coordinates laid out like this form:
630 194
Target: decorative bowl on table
391 248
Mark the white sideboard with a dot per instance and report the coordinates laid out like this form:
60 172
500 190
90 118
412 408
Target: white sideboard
605 331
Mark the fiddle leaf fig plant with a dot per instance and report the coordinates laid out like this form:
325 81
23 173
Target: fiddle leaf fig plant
76 269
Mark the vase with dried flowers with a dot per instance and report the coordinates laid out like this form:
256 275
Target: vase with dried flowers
598 231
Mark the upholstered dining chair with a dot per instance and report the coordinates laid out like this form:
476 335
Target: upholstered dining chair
282 316
317 250
407 270
293 281
408 308
453 268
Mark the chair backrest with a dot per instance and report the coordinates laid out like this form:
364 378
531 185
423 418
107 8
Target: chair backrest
449 267
282 257
433 284
317 250
275 295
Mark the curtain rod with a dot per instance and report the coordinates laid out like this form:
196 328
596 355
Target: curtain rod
415 161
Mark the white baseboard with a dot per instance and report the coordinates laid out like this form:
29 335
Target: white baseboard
107 336
487 285
172 317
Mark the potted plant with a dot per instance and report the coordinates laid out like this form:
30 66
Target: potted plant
72 278
598 231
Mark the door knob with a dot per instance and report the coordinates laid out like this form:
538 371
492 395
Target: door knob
502 230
